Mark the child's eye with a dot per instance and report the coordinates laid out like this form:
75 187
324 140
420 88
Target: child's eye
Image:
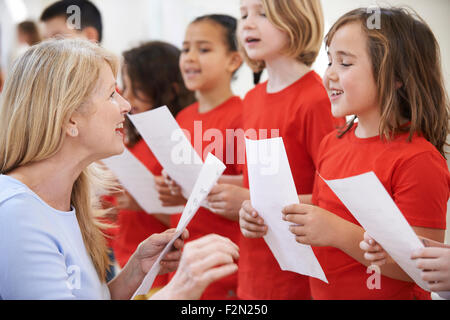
346 64
112 95
244 16
204 50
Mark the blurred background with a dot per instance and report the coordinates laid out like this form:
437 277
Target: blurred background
128 23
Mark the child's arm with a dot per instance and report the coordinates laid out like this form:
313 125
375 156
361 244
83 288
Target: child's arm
318 227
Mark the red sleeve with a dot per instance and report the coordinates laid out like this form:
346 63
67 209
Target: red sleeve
420 188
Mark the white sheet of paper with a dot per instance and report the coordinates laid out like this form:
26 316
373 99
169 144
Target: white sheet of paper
209 174
271 189
369 202
139 182
170 146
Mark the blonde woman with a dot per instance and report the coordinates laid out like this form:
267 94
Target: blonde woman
60 114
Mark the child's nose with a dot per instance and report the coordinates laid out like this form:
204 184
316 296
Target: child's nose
248 23
330 74
191 55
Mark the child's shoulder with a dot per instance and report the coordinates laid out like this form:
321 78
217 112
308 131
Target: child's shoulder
311 89
235 102
399 147
227 111
187 111
308 88
256 91
418 149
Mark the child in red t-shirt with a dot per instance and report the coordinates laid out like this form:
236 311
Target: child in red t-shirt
292 104
390 78
144 91
208 62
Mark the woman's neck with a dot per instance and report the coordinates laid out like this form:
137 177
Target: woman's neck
284 71
52 179
210 99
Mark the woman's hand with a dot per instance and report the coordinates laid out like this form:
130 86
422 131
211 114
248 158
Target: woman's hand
434 261
226 200
204 261
149 250
169 191
140 263
252 225
312 225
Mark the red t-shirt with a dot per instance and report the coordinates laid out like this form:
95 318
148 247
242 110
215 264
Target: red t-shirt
136 226
302 114
414 174
214 123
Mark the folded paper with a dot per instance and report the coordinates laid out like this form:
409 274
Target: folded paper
271 189
369 202
170 146
139 182
208 176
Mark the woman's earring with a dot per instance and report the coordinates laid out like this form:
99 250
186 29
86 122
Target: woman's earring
74 132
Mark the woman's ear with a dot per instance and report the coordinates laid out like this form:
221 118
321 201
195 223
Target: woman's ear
72 126
236 61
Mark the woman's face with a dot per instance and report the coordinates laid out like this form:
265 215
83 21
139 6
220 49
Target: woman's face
100 122
139 101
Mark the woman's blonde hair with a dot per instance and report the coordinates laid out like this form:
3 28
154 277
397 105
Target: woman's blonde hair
303 22
46 86
407 70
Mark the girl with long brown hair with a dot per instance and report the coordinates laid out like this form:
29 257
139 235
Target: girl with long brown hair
388 76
